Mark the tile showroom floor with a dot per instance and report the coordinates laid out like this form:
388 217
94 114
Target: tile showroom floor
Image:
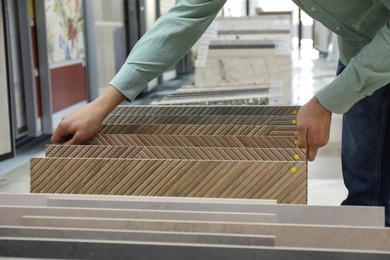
309 74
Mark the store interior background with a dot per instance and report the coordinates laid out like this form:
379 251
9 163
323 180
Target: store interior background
36 103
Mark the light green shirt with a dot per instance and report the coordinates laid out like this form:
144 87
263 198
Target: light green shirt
362 27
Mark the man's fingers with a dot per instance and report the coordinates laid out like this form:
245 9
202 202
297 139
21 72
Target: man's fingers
60 136
302 137
76 139
311 153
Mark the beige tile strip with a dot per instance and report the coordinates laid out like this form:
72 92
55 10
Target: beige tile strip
205 110
170 152
284 181
194 141
286 213
13 214
176 129
287 235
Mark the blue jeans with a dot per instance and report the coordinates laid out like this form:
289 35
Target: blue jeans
366 150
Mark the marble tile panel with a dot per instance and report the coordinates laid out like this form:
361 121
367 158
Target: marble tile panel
243 71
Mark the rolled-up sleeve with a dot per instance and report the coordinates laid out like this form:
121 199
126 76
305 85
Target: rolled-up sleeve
165 43
367 72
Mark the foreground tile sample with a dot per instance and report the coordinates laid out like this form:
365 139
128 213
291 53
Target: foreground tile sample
286 213
194 141
284 181
291 235
175 153
310 236
136 236
65 249
12 215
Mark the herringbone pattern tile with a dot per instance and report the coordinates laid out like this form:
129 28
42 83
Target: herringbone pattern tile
194 141
175 129
284 181
177 153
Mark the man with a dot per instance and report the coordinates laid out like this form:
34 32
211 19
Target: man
360 91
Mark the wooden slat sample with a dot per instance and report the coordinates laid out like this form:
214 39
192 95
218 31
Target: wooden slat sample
176 153
284 181
194 141
175 129
125 119
205 110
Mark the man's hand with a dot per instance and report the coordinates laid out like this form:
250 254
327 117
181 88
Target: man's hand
85 122
313 124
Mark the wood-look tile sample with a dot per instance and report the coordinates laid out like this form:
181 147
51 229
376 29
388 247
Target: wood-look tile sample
194 141
175 129
176 153
152 110
124 119
284 181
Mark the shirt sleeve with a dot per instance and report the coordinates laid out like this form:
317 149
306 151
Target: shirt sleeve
165 43
368 71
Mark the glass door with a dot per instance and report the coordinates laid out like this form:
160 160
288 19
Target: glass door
6 138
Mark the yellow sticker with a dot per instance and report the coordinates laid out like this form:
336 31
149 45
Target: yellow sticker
296 157
293 170
294 112
294 121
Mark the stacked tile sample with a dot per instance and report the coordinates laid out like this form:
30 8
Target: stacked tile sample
198 151
59 226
